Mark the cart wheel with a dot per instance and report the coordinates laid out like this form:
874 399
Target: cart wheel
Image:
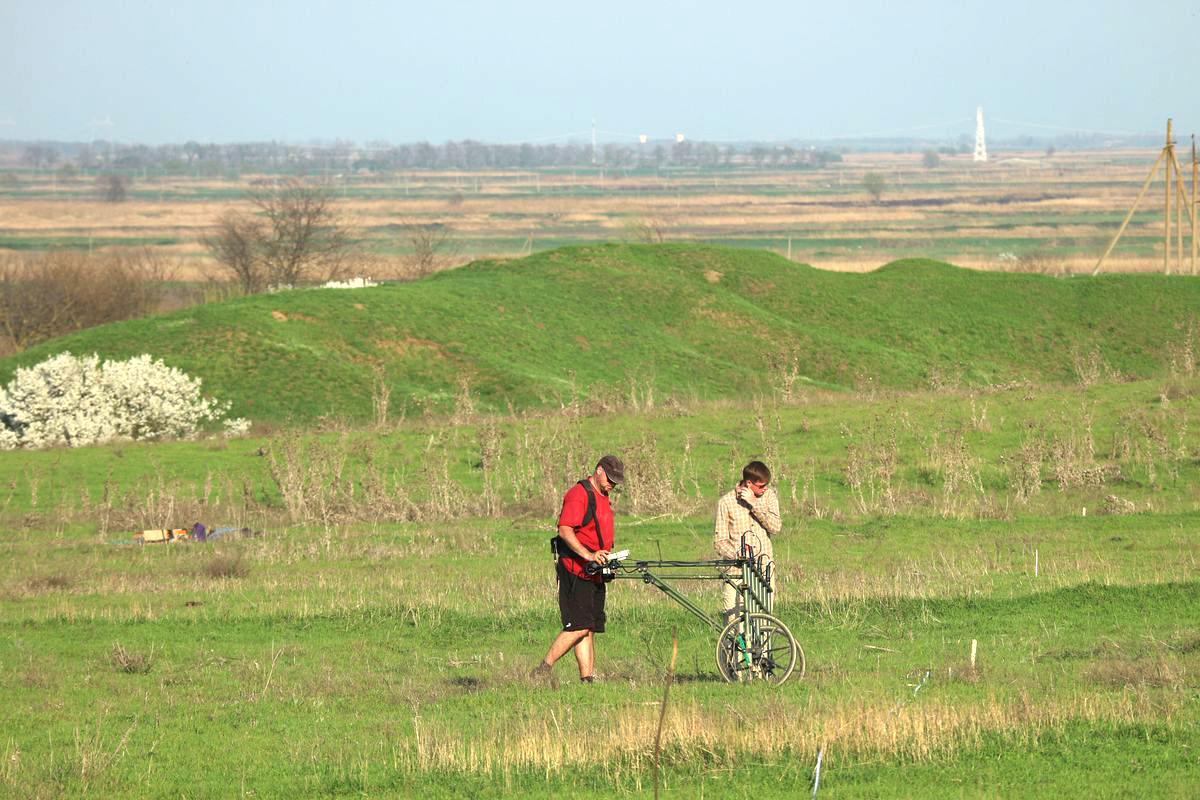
758 646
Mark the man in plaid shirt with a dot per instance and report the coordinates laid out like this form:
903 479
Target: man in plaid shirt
750 509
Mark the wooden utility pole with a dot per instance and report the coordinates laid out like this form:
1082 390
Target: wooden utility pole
1169 150
1166 157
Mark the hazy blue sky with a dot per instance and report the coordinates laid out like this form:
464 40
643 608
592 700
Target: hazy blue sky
225 71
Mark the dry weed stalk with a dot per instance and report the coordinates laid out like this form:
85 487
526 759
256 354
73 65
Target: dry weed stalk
1181 355
809 503
961 483
381 395
131 661
1025 466
1087 365
872 457
1072 455
1153 441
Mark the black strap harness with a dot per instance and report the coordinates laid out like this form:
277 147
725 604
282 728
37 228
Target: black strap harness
559 548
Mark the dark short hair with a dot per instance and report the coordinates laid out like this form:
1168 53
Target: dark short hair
757 472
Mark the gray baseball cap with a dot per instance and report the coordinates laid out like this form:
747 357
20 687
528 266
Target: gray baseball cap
613 468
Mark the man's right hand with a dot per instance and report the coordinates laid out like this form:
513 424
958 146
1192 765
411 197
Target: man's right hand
599 556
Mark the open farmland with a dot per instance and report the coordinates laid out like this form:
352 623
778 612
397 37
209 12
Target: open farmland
1023 211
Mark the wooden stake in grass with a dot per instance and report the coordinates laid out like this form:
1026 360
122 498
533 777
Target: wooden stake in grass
1035 562
974 645
662 713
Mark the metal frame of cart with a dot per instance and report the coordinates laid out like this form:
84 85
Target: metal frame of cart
752 643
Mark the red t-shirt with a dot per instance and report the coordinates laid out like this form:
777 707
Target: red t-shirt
574 508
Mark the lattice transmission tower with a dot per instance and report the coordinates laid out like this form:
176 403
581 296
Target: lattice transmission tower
980 144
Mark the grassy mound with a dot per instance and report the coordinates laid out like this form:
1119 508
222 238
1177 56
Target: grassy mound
694 320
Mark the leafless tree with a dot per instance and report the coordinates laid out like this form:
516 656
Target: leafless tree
236 245
295 236
112 188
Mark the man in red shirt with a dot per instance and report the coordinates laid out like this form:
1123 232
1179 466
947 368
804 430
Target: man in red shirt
585 536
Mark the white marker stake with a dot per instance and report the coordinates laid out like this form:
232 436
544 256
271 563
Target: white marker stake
817 772
1035 562
974 644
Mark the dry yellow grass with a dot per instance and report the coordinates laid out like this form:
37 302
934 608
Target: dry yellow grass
622 739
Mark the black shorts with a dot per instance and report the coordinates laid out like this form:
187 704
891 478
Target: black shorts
580 602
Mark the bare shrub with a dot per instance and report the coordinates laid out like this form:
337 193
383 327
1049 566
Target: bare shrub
45 295
131 661
645 230
432 246
1116 506
226 566
1041 262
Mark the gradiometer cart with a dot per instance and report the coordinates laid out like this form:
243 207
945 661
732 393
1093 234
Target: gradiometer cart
752 643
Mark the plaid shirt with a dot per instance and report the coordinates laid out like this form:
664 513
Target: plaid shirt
735 519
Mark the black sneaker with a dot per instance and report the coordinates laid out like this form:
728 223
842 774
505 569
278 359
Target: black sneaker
543 673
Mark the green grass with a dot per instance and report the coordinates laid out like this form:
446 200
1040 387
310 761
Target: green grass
537 331
361 660
362 655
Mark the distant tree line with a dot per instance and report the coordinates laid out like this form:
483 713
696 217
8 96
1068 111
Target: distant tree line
468 155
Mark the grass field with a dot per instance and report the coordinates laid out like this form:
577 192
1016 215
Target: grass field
1021 211
349 652
1008 459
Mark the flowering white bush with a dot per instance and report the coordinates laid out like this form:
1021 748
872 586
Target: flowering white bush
352 283
69 400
